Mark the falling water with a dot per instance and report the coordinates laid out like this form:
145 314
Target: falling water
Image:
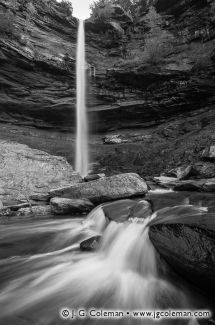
123 274
81 110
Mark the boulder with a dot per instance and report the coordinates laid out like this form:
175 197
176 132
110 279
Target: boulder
118 211
105 189
90 244
181 173
198 170
123 210
25 172
203 170
68 206
190 250
209 153
35 212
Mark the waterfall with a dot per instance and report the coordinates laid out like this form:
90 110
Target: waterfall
123 274
81 110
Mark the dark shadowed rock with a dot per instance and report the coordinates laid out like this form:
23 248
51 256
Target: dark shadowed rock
189 185
198 170
119 211
189 250
105 189
67 206
123 210
203 170
181 185
90 244
40 197
202 185
181 173
165 181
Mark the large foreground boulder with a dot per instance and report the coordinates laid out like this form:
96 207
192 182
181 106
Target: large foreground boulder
105 189
25 171
67 206
189 249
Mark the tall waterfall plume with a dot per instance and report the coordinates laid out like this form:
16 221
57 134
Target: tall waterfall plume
82 159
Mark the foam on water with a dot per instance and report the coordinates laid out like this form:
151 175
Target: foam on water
122 274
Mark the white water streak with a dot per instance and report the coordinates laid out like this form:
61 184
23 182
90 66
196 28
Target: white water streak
81 110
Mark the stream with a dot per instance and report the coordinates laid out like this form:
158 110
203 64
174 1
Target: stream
43 272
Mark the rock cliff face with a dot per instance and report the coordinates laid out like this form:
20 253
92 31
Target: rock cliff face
43 54
182 83
169 107
37 65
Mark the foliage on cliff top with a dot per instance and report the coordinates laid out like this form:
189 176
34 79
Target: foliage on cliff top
158 41
102 9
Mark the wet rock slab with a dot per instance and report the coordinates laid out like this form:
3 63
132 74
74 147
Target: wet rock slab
190 250
66 206
105 189
123 210
90 244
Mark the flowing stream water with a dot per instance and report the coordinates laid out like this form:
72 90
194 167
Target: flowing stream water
81 164
48 272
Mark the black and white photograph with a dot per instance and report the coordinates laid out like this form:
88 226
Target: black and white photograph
107 162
